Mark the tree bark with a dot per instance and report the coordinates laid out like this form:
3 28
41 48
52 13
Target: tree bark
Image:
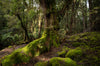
96 15
40 25
91 16
23 27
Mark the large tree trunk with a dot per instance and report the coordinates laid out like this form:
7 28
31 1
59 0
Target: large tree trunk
51 24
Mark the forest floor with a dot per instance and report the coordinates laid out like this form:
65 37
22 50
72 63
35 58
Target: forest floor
43 57
83 48
10 49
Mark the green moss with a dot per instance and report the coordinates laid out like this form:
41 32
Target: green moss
54 39
93 36
57 61
91 60
75 54
41 64
14 58
76 44
34 48
9 46
63 52
65 48
90 53
74 38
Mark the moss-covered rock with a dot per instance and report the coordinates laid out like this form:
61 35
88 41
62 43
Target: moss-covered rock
41 64
74 38
75 54
63 52
89 53
90 60
77 44
57 61
14 58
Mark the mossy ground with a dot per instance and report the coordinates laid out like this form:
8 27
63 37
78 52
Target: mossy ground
89 53
79 50
75 54
84 48
33 49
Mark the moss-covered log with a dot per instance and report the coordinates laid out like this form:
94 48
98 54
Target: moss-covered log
34 48
24 54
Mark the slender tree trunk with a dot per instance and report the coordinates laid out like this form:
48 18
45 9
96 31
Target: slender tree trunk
72 17
26 34
85 17
91 18
40 25
84 25
23 27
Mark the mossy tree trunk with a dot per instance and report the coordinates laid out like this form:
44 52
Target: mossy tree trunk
51 23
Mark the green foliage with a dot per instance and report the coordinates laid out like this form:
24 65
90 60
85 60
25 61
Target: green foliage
3 19
17 7
8 39
31 14
75 54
